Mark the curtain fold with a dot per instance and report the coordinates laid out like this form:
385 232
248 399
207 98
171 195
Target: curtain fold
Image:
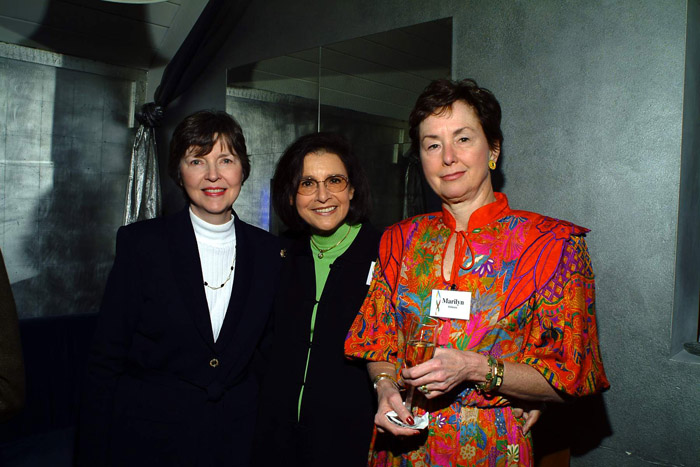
143 200
218 19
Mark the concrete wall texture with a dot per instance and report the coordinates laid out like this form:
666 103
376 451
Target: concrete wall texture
687 270
593 100
64 160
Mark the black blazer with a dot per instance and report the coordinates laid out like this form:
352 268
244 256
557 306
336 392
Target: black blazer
159 390
338 407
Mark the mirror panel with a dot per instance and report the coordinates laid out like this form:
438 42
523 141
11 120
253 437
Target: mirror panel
362 88
294 75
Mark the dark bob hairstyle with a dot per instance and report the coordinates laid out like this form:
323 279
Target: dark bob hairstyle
289 172
200 132
439 96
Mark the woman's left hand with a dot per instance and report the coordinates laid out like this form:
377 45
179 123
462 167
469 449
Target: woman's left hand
528 413
447 369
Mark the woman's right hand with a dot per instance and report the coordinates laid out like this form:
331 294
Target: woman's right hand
389 399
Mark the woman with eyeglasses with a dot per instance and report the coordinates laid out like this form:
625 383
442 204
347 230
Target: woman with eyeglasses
318 407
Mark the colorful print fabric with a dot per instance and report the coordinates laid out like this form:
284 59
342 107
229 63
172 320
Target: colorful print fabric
533 302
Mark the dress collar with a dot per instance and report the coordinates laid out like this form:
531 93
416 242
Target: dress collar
482 216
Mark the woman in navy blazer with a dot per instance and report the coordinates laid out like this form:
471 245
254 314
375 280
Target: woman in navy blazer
183 327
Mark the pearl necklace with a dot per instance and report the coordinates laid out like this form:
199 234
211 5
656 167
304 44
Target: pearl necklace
321 251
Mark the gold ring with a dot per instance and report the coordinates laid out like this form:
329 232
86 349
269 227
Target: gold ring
424 389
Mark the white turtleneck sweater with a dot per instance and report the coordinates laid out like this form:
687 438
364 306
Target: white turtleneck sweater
217 254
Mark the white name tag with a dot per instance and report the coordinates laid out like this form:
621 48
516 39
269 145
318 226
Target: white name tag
453 304
369 274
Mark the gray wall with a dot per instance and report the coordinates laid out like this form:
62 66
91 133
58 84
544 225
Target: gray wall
687 270
64 156
593 97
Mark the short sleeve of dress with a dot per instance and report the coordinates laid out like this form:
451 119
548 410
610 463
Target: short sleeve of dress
563 340
373 335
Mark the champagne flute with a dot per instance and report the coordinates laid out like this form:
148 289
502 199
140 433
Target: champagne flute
420 347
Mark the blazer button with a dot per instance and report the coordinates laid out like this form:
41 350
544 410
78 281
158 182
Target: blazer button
214 362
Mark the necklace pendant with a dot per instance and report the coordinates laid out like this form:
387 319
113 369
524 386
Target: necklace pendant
321 251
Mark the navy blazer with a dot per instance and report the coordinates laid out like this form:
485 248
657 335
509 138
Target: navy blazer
159 390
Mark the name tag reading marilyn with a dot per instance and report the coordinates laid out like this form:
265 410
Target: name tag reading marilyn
454 304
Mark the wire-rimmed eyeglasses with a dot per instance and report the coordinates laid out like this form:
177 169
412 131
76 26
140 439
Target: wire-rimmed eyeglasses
333 183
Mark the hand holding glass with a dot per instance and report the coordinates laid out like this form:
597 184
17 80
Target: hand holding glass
420 347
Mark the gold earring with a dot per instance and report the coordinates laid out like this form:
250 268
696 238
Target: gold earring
492 164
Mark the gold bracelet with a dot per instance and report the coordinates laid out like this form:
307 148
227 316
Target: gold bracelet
382 376
494 377
500 369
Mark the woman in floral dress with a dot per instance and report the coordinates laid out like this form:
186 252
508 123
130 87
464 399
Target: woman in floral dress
523 329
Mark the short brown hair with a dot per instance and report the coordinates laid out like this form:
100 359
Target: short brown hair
201 131
439 96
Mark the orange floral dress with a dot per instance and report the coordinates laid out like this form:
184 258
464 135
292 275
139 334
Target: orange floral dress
532 301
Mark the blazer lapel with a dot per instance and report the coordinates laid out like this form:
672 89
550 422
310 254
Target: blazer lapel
242 277
188 273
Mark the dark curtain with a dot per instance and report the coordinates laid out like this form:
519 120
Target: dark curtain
143 199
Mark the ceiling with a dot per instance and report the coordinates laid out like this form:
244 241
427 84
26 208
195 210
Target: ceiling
379 74
136 36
